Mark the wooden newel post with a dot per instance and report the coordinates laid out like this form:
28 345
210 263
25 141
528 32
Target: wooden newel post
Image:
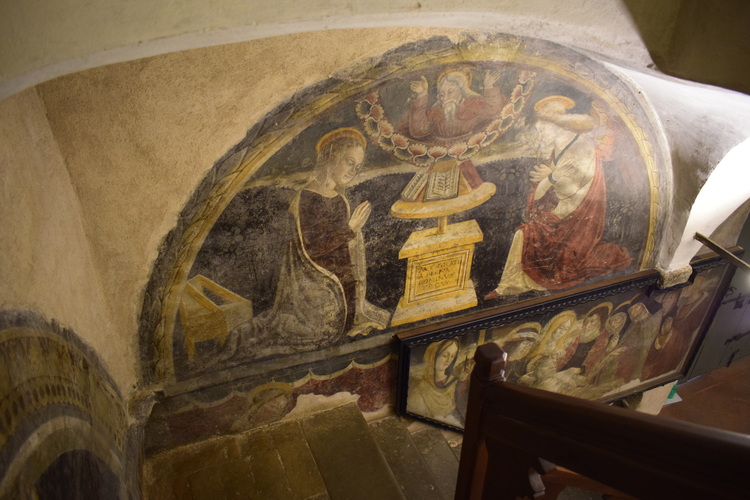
489 363
489 367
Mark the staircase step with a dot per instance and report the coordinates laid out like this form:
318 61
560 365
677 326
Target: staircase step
236 479
348 458
407 463
281 463
440 458
265 465
299 465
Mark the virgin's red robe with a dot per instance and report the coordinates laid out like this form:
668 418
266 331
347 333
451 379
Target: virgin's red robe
597 352
561 253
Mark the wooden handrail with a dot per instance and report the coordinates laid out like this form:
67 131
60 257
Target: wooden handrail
515 434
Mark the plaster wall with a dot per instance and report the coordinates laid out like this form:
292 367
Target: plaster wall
693 40
47 264
704 43
702 125
45 39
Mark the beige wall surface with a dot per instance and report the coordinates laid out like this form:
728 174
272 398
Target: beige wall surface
46 263
48 38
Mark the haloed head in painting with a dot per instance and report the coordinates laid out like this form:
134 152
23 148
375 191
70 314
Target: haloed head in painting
545 135
592 324
451 91
616 322
521 344
555 126
638 312
561 330
341 154
452 87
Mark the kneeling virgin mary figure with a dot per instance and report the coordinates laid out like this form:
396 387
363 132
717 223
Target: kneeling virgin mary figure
320 297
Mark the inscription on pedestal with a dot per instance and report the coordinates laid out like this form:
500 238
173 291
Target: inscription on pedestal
438 276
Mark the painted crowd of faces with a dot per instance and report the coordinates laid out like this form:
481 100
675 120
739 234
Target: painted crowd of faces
622 345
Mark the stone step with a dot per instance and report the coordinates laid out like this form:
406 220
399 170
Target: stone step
282 463
271 462
440 457
333 454
408 465
348 458
330 455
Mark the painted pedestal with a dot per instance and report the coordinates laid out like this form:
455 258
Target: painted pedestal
437 274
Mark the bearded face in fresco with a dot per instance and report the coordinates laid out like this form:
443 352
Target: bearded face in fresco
545 135
450 95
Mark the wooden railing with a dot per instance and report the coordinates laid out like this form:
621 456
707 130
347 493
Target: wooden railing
521 442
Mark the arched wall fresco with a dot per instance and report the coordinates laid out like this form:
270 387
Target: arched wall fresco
63 424
285 265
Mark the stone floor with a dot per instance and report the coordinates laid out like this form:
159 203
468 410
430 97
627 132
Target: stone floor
333 454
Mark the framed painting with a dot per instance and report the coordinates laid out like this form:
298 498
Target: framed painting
600 343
